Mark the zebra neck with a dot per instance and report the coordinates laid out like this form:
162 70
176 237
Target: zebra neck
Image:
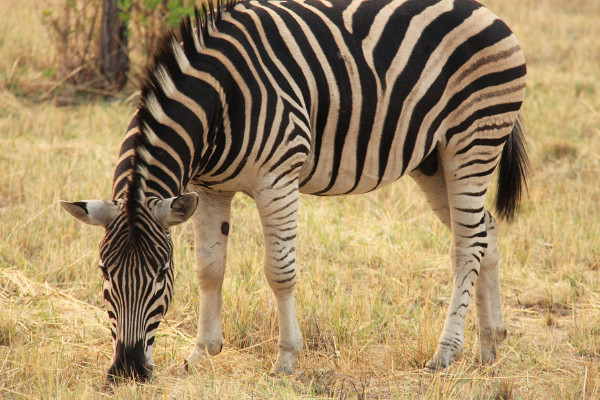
159 165
145 170
177 132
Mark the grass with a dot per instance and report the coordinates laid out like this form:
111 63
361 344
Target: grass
375 275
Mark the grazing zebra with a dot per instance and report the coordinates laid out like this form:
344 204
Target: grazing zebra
278 98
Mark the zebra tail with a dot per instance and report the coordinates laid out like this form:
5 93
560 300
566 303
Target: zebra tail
513 173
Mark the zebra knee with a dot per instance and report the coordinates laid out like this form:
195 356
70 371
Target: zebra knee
490 222
282 282
280 268
490 257
210 265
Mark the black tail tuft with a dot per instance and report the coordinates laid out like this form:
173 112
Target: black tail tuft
512 176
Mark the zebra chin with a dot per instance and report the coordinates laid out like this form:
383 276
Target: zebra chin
130 363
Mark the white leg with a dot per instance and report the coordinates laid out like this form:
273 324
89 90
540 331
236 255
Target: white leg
279 215
465 270
487 297
211 225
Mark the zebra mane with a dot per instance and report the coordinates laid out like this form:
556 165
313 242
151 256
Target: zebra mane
173 47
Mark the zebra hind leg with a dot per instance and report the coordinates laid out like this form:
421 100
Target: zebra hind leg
466 173
431 180
487 297
211 229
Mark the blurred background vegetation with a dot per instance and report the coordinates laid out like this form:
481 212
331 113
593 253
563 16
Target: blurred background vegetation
101 45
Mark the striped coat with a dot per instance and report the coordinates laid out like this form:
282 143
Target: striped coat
277 98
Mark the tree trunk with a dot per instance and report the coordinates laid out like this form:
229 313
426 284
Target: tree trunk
114 56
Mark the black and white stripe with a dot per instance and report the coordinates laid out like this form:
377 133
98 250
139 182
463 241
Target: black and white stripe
277 98
137 296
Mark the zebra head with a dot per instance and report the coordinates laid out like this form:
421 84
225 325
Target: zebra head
137 270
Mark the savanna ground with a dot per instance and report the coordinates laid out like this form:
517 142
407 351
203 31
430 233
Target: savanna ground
375 274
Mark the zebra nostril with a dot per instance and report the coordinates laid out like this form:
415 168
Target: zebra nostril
129 363
140 373
143 374
146 372
111 378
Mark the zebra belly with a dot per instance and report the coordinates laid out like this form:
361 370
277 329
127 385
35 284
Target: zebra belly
343 185
348 178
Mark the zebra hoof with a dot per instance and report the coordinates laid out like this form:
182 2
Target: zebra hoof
283 366
442 359
488 345
282 370
185 365
435 365
202 351
194 358
486 356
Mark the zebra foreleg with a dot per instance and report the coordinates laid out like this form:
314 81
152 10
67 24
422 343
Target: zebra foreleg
211 226
278 210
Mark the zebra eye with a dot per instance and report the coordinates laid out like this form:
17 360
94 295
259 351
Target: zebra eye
104 271
162 273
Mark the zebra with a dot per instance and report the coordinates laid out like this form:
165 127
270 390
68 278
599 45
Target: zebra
277 98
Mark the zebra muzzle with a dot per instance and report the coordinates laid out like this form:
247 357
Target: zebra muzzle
129 363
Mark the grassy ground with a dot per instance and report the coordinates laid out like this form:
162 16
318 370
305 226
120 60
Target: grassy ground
375 275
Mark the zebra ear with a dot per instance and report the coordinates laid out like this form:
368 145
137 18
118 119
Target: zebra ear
93 212
175 210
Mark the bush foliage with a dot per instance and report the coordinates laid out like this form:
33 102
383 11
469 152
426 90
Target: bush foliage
75 27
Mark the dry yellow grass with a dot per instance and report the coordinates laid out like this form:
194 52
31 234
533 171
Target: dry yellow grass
374 269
